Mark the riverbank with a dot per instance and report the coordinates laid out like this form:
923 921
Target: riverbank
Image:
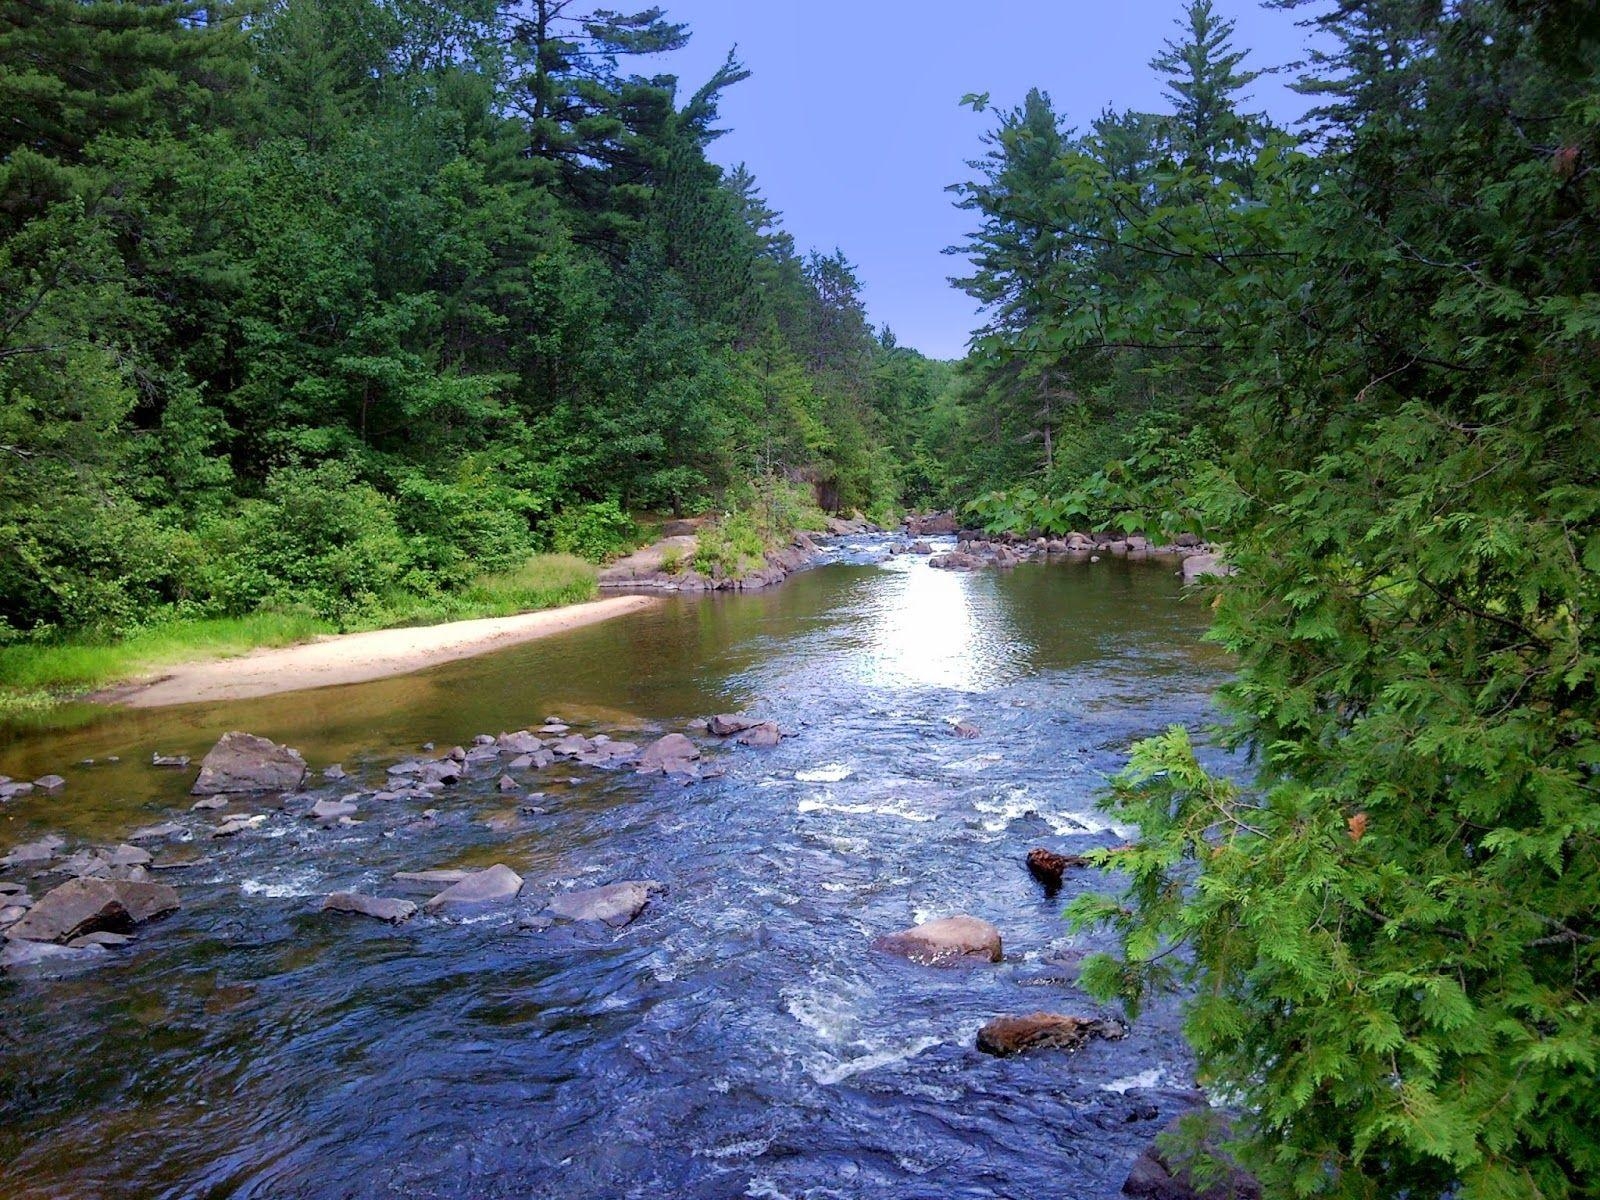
359 657
37 678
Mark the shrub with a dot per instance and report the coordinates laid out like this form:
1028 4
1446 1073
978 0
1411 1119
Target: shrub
593 531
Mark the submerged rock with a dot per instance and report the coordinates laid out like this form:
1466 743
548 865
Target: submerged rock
153 833
496 885
673 754
20 955
964 729
104 938
1043 1031
446 877
1164 1172
380 908
1047 867
949 941
616 904
242 762
82 906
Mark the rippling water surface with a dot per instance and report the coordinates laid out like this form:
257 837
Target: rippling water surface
739 1039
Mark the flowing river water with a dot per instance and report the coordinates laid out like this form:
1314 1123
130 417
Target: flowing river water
740 1038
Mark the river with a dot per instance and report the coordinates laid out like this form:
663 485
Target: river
740 1039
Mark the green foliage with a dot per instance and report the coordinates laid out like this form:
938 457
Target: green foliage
1387 931
593 531
764 513
344 304
730 546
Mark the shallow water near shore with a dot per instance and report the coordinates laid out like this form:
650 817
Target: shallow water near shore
739 1039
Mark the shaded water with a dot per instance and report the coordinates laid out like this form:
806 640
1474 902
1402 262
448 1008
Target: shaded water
739 1039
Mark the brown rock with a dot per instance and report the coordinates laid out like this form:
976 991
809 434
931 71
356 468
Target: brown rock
1043 1031
949 941
242 762
82 906
1047 867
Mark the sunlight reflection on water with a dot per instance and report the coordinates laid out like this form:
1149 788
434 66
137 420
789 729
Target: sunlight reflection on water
942 629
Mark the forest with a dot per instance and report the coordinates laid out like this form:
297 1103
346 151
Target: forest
338 306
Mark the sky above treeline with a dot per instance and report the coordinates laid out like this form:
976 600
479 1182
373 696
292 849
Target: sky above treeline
852 120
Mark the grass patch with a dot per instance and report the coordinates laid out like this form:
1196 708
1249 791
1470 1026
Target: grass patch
544 581
37 676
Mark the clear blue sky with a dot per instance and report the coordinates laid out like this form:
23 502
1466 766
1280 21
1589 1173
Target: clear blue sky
852 124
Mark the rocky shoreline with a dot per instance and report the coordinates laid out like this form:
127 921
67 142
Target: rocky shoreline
658 567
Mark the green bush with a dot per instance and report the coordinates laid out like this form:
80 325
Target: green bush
471 522
593 531
730 546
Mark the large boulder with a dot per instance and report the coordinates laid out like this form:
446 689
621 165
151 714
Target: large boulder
949 941
82 906
615 905
496 885
1166 1172
242 762
380 908
1043 1031
673 754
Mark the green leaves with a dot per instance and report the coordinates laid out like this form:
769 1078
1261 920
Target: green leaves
1394 952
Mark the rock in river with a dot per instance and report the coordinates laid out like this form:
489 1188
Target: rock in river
82 906
615 904
242 762
15 955
380 908
1043 1031
762 734
949 941
1047 866
331 810
498 883
670 755
728 724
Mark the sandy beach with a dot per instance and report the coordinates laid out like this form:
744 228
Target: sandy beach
358 657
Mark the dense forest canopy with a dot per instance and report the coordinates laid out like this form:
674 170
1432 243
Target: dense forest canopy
318 301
